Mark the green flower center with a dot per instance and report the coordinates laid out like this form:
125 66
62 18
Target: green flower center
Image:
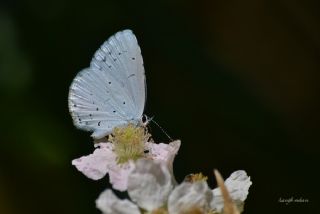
192 178
129 142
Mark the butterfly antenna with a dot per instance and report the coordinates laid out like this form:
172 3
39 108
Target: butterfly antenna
152 120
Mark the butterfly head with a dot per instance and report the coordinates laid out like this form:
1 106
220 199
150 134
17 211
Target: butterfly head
145 120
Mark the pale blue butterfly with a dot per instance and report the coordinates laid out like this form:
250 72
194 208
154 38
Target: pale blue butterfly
112 91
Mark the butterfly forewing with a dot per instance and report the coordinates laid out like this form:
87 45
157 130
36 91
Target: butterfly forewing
121 55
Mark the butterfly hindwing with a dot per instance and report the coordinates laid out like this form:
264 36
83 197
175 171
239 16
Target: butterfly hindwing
94 104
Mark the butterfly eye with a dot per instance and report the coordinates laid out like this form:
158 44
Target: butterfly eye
144 118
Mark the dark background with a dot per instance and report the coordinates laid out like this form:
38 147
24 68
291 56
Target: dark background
236 81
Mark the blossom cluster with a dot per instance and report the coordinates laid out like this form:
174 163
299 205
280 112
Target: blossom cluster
144 169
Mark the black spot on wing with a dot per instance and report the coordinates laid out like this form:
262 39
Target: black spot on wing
131 75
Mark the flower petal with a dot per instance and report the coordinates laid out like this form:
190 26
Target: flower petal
95 165
149 184
108 203
118 174
238 185
164 152
190 196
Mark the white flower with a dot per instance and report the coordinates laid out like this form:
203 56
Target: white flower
108 203
237 185
164 152
152 190
189 197
105 160
102 161
150 184
95 165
